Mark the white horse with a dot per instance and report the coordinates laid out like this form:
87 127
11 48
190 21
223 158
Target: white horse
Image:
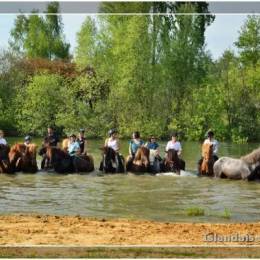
226 167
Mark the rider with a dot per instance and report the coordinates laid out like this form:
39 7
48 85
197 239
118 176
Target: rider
153 145
82 140
174 144
135 143
211 140
74 146
112 141
27 140
2 139
50 139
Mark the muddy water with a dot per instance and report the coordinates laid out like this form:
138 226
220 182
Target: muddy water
162 198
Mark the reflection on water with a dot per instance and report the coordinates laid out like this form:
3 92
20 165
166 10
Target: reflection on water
163 198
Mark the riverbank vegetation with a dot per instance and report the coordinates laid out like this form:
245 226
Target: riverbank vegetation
151 73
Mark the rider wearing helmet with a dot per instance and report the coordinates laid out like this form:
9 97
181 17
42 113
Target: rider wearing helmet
27 140
112 141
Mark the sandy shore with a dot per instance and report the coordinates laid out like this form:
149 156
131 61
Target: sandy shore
81 231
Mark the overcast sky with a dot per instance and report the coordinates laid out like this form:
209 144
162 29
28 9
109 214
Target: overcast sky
220 36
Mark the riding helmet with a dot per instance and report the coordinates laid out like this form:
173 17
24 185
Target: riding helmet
27 138
112 131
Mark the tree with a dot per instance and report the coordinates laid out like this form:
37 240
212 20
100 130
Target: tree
36 36
39 104
85 52
249 41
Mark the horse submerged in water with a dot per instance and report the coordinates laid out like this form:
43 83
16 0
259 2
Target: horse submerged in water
62 162
172 162
5 166
244 168
206 166
112 162
140 163
23 158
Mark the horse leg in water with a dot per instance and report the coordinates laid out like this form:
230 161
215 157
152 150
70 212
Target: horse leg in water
120 163
182 164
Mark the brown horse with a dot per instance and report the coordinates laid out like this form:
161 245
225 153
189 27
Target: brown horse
23 158
172 162
206 167
62 162
140 163
5 166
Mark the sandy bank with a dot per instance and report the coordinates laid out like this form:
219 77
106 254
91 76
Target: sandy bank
81 231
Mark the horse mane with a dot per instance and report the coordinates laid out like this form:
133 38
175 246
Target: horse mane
32 148
252 158
207 151
172 156
142 152
21 148
65 144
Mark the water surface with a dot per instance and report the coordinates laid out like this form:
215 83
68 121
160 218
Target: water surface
162 198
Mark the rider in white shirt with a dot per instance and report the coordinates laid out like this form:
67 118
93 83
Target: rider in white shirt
112 141
174 144
2 140
214 142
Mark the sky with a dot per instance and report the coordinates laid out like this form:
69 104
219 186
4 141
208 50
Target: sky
220 35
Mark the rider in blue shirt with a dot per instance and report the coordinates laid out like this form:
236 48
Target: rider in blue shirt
135 143
152 144
74 147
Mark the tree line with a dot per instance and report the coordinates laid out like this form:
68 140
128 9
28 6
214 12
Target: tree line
151 73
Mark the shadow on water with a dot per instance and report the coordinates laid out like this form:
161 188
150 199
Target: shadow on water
163 198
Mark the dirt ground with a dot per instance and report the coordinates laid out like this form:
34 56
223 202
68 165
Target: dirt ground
21 230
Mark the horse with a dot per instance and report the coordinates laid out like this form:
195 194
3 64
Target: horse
62 162
111 161
65 144
206 166
172 162
140 163
23 158
155 161
226 167
5 166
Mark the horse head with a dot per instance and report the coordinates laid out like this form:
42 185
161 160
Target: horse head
142 156
172 161
109 159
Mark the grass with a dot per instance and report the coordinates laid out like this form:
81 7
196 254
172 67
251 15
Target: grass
195 211
226 214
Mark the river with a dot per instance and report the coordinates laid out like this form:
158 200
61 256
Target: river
161 198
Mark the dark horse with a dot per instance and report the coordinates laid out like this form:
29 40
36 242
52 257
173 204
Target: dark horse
62 162
205 166
140 163
23 158
5 166
172 162
112 162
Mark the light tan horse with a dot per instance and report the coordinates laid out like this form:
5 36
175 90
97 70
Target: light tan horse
206 167
65 144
